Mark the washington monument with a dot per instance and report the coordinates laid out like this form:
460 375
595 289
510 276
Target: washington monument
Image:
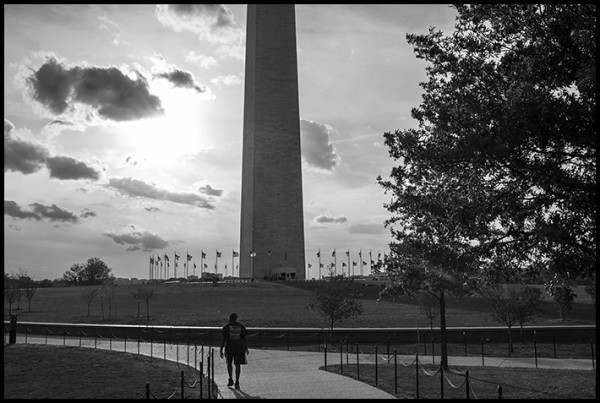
272 223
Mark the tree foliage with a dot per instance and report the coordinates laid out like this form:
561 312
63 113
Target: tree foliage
93 272
336 300
499 177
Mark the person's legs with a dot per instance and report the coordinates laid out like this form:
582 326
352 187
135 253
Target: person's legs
229 358
238 370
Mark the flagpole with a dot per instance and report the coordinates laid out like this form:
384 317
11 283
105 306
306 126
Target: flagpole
349 263
217 262
334 262
319 256
360 260
201 262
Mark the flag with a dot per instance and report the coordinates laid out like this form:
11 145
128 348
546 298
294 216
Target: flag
333 254
205 266
176 256
203 255
159 259
364 263
343 264
166 258
360 253
321 265
309 265
151 260
218 254
194 265
332 264
319 253
189 257
353 263
235 254
348 253
225 266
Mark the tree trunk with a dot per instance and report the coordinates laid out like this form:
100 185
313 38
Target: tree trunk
510 344
148 311
443 331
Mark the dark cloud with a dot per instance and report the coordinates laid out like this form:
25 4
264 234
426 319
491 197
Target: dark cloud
12 209
317 150
85 213
208 190
137 240
107 90
70 168
213 22
21 156
54 213
324 219
367 229
182 79
134 187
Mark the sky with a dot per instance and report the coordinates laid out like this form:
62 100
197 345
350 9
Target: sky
123 130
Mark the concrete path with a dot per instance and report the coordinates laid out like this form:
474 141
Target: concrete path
276 374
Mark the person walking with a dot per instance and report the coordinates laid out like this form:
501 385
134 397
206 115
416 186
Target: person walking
233 339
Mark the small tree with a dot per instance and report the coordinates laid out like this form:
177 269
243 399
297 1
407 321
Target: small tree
11 290
336 300
109 289
564 298
29 288
146 294
512 305
137 295
429 305
88 297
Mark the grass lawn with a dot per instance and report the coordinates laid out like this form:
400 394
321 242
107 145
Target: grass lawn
56 372
517 383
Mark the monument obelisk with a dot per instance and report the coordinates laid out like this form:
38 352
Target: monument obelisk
272 222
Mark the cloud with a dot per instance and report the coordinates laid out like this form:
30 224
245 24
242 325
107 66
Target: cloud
138 240
183 79
54 213
19 155
367 229
134 187
70 168
317 150
325 219
12 209
85 213
208 190
227 80
201 60
107 91
212 22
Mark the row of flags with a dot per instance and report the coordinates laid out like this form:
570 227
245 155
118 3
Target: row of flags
160 265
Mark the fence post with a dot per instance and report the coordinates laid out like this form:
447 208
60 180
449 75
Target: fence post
357 363
201 375
341 358
46 336
213 365
64 337
26 329
554 344
79 338
482 361
288 341
467 383
347 348
432 351
164 349
387 343
147 391
125 341
465 340
325 355
177 349
500 392
592 346
417 372
535 352
208 386
110 341
395 373
12 335
441 381
376 380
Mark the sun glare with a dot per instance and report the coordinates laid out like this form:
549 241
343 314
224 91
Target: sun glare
165 139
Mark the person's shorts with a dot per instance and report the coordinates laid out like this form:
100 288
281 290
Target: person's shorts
238 358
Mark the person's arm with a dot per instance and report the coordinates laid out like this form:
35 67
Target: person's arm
223 341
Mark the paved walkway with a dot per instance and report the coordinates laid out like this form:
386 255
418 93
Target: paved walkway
276 374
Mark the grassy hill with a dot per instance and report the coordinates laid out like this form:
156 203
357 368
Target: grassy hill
260 304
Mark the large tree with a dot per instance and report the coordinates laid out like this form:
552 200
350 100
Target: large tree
93 272
500 175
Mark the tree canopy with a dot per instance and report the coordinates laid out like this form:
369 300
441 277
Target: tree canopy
498 180
503 162
93 272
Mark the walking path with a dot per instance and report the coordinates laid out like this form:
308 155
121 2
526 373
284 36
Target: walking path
277 374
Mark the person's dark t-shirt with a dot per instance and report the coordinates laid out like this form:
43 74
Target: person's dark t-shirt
234 333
